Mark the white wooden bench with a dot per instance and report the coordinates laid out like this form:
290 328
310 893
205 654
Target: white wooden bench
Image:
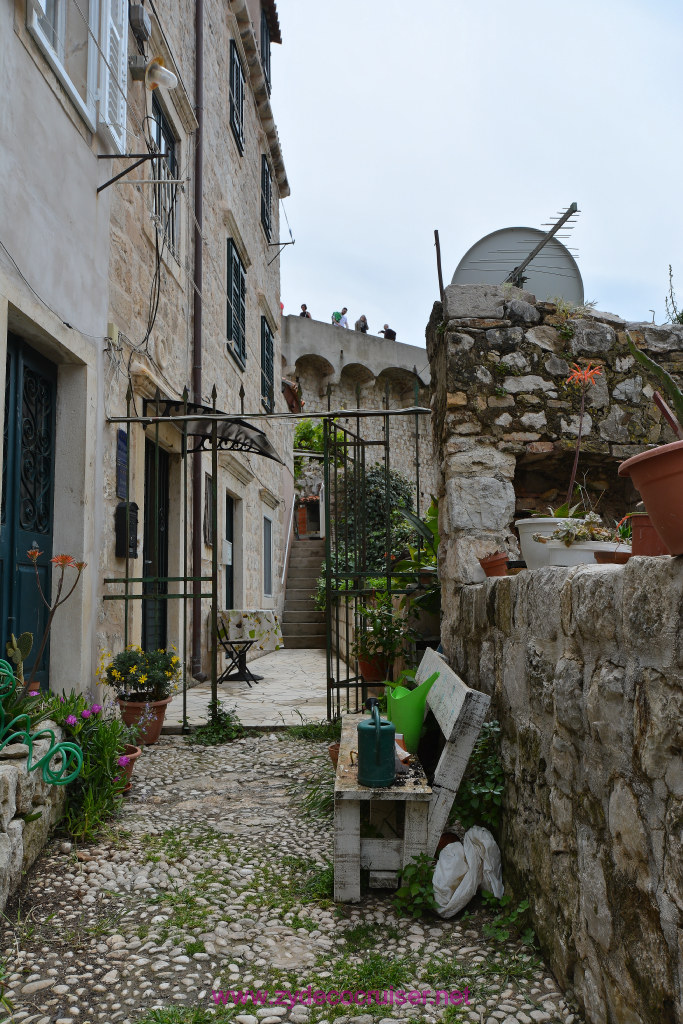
460 713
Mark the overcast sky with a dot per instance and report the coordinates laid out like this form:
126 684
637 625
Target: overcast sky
398 117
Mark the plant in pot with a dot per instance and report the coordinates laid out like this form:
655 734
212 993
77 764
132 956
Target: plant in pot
144 682
535 551
658 472
418 572
581 540
381 637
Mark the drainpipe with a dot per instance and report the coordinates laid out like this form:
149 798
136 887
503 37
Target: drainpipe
197 345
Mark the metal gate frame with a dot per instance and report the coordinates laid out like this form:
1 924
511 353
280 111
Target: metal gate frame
347 572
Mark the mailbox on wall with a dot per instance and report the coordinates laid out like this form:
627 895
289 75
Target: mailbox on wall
126 511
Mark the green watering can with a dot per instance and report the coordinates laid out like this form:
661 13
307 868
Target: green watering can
376 749
406 709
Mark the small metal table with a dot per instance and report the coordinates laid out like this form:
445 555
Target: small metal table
238 631
387 856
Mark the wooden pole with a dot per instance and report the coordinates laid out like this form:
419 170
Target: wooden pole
438 265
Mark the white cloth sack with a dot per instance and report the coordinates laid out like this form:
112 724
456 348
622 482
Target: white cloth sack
463 867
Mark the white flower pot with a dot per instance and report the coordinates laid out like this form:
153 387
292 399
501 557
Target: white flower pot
535 553
579 553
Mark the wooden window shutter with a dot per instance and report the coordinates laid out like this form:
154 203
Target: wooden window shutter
113 104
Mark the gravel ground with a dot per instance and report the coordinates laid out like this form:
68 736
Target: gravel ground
212 881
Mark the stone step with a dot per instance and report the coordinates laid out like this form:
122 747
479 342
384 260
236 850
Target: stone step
303 572
303 629
313 643
307 615
295 604
302 559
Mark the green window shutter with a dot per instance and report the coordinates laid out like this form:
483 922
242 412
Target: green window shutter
236 96
266 196
237 304
266 365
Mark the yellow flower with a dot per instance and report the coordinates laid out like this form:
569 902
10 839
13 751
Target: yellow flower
168 675
175 659
142 679
133 669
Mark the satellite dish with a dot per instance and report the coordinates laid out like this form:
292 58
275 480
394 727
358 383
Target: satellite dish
504 256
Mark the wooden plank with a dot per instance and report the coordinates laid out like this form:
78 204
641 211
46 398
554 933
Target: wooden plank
383 880
346 785
347 851
381 854
415 831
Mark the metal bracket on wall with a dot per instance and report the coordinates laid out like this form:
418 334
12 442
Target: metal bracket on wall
139 158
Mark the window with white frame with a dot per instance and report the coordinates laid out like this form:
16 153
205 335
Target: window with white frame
267 557
67 32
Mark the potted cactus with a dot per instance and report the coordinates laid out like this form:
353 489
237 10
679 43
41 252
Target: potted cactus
658 472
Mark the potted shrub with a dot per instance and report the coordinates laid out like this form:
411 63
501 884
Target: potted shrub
418 572
382 638
538 531
658 472
144 682
581 540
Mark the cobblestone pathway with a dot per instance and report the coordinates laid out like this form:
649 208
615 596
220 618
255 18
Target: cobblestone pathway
212 881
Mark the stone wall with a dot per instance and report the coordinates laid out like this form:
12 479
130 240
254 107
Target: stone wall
506 421
22 794
585 667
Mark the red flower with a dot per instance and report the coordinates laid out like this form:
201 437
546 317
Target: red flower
583 376
63 560
80 566
34 554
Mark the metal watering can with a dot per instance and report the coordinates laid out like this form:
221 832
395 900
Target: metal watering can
376 753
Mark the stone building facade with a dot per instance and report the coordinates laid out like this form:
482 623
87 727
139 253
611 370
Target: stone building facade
98 293
583 664
344 369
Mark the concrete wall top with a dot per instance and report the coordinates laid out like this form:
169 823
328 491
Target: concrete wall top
340 347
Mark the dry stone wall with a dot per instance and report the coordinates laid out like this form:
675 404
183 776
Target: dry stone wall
22 794
584 665
506 421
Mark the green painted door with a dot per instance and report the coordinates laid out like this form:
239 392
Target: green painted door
28 472
155 548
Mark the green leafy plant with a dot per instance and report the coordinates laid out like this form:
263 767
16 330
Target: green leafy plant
317 732
419 572
415 895
480 795
664 379
564 511
18 650
384 632
223 728
674 314
138 675
93 797
384 494
509 922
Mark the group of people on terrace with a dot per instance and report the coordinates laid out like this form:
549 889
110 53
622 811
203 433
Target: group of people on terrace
339 319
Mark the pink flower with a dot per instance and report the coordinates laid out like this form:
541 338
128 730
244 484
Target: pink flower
123 761
71 720
61 700
33 693
96 708
85 713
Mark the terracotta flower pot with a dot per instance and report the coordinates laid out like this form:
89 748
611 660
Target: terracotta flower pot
612 557
644 538
373 669
495 565
658 475
132 711
132 753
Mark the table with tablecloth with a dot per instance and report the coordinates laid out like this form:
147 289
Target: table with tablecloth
240 630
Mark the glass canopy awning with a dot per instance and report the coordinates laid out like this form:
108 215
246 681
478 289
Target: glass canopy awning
233 434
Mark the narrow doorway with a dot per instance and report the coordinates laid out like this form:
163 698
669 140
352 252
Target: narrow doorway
28 478
229 541
155 548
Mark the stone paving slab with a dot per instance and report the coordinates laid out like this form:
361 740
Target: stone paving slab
294 687
213 882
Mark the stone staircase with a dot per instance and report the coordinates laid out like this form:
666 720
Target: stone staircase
302 625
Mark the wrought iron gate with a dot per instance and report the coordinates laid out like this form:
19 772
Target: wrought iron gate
348 455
